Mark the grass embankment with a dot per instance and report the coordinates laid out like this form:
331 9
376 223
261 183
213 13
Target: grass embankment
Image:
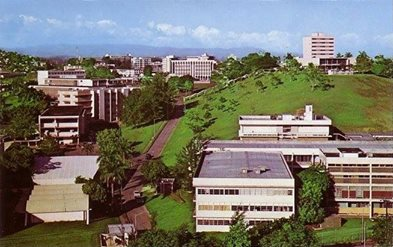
350 232
142 136
171 212
59 234
357 103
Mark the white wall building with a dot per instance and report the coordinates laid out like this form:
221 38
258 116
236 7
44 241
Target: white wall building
277 127
258 184
318 45
362 171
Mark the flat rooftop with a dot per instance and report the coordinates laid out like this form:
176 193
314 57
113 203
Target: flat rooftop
63 111
63 169
366 146
231 164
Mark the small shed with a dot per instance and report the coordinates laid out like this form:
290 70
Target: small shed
166 185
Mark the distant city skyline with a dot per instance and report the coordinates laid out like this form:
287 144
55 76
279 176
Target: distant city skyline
271 25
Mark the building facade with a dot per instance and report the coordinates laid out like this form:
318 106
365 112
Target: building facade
258 184
199 67
306 126
362 171
318 45
65 123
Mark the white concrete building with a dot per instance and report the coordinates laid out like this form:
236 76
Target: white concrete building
318 45
55 196
362 171
65 123
199 67
258 184
44 76
306 126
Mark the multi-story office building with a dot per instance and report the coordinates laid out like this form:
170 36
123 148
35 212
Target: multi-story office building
103 103
199 67
65 123
362 171
140 62
259 184
306 126
318 45
44 76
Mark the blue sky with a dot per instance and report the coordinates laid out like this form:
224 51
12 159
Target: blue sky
272 25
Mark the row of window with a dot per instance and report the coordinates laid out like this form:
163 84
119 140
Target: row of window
249 191
244 208
360 165
225 222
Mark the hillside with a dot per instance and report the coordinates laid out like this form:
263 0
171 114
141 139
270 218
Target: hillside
358 103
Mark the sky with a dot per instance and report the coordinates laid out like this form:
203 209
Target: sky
270 25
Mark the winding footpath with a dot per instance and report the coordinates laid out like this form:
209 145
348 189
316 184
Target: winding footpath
137 213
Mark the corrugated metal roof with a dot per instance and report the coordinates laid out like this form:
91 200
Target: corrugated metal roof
57 198
64 169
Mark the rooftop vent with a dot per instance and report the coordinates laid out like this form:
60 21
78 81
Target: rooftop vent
244 170
261 169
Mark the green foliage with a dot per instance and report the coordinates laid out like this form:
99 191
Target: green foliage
229 69
265 228
382 66
17 157
199 120
16 62
98 73
315 183
148 70
49 146
363 63
316 78
95 191
184 83
181 237
383 231
154 171
291 234
113 163
187 162
256 61
81 180
153 102
238 235
21 125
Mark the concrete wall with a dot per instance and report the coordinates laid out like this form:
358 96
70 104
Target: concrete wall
60 216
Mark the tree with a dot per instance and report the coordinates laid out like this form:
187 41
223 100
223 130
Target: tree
315 183
261 86
339 55
22 125
155 237
188 161
363 63
291 234
264 228
316 78
114 149
154 171
95 191
383 231
148 70
88 147
17 157
49 146
238 235
348 54
382 66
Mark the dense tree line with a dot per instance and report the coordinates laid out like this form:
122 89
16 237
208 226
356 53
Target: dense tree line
92 72
16 62
154 101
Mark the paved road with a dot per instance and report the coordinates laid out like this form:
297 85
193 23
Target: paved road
134 212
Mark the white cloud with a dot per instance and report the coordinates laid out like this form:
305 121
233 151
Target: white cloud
168 29
106 24
351 39
209 35
151 24
54 22
385 40
28 19
278 39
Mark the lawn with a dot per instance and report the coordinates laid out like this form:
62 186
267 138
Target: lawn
357 103
142 135
349 232
59 234
169 212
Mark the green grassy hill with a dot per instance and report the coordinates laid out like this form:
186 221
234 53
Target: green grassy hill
358 103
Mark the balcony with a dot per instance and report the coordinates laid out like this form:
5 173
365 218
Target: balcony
67 125
352 180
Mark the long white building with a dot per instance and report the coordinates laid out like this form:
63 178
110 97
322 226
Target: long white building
362 171
307 126
258 184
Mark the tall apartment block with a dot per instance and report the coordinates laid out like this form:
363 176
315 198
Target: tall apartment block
318 45
199 67
305 126
258 184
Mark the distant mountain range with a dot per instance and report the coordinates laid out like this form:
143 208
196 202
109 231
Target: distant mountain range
122 49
